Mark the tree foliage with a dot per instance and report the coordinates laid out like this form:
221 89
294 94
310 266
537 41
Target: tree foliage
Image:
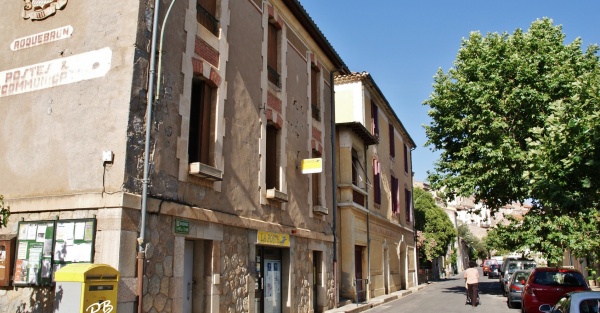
495 242
517 117
553 234
4 212
435 228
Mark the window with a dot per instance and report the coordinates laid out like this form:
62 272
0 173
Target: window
406 158
273 55
392 144
206 10
408 204
200 122
314 92
395 195
316 183
355 167
272 158
374 119
376 182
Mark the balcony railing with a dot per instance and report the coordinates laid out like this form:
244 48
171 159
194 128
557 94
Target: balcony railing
358 197
207 19
274 76
316 112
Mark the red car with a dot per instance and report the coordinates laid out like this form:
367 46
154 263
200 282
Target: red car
547 284
486 265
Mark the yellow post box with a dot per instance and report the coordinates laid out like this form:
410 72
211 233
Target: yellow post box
86 288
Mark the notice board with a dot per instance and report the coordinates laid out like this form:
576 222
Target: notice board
43 247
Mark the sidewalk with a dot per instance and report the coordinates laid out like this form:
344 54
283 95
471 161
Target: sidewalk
371 303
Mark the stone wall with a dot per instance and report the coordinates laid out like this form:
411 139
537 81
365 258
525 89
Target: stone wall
158 279
234 271
302 271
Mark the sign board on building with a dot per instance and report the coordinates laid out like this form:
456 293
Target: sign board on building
272 239
182 227
42 38
311 166
43 247
57 72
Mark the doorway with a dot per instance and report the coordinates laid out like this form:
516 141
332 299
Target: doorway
197 276
358 273
317 279
268 294
386 270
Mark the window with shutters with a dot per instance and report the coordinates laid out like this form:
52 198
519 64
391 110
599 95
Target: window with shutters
408 204
206 12
374 120
199 145
355 167
272 158
376 182
395 195
315 92
273 35
201 134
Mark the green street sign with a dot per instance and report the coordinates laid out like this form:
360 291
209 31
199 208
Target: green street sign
182 227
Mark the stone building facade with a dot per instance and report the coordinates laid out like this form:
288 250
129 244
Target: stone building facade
377 240
242 94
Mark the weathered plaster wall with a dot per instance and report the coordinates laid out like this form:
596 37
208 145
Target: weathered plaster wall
52 139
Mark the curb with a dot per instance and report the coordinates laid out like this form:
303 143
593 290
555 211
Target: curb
376 301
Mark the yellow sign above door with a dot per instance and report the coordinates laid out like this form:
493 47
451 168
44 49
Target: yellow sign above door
272 239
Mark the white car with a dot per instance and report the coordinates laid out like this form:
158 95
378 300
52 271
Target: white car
575 302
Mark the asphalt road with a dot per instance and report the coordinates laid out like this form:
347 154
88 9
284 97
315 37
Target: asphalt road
448 296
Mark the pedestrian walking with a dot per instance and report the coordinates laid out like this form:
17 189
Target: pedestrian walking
472 283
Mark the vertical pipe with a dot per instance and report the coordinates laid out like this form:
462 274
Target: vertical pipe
368 229
150 97
334 187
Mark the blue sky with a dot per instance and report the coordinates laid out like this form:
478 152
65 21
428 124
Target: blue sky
403 43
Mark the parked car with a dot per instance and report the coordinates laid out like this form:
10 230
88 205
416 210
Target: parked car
575 302
516 285
546 285
511 267
486 265
494 271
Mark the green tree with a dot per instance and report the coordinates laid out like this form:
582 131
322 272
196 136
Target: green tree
494 242
552 235
435 228
517 117
4 212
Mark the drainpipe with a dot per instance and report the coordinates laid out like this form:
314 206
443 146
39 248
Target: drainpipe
151 77
334 187
368 226
160 49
